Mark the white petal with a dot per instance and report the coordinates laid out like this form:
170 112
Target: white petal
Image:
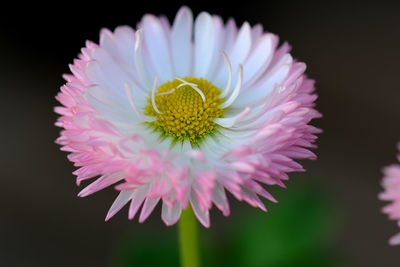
221 73
214 149
125 41
105 72
204 37
107 42
217 61
229 122
114 74
259 59
230 35
238 53
156 41
143 66
171 215
242 46
256 32
196 154
274 66
113 111
181 41
119 203
166 26
119 45
209 151
257 94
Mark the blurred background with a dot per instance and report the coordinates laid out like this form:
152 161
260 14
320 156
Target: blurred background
328 216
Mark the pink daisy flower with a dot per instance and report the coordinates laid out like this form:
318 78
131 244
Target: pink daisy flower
180 114
391 185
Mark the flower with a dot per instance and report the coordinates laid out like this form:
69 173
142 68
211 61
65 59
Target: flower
182 113
391 185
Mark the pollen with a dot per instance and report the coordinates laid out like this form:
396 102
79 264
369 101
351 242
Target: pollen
185 109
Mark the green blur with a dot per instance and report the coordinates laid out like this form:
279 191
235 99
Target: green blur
299 231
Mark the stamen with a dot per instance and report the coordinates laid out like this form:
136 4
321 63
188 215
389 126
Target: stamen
200 93
139 59
193 86
228 65
236 91
153 102
167 93
184 82
130 98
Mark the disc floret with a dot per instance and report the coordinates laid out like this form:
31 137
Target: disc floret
185 109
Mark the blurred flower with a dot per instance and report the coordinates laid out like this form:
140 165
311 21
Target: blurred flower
391 185
181 113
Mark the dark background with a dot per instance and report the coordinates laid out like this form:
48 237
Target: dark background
351 50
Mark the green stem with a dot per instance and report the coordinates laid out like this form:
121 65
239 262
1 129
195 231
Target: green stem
188 239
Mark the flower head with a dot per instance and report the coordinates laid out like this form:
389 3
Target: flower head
391 185
182 113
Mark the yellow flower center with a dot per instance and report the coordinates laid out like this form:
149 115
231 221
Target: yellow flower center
185 109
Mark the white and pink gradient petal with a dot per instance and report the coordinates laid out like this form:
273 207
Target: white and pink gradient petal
123 198
395 240
171 214
220 200
266 127
202 215
391 186
137 199
148 207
